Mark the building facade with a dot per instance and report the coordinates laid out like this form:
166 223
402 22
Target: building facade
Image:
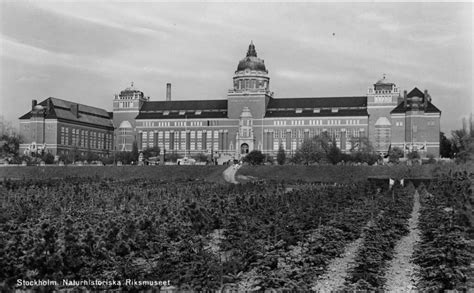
250 118
62 127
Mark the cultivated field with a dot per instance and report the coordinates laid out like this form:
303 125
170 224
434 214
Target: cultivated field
285 230
205 235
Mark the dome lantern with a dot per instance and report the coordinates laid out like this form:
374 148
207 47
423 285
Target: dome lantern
251 51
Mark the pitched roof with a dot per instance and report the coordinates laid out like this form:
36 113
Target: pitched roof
415 93
401 109
311 113
61 109
182 109
430 108
316 102
317 107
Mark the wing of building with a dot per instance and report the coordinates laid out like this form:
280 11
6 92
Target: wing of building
63 127
252 118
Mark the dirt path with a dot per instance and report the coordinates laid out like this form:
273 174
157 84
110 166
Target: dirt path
338 269
400 275
229 174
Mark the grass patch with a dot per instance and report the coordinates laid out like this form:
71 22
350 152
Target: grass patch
172 173
332 173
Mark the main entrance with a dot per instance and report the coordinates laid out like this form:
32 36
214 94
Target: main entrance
244 148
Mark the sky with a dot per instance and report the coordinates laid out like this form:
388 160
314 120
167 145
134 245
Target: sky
89 51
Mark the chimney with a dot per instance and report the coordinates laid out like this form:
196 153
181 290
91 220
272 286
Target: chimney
49 106
399 99
405 98
75 110
168 92
33 104
427 97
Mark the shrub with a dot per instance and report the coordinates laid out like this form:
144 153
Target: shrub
255 158
414 155
395 154
281 155
431 159
172 157
200 157
48 158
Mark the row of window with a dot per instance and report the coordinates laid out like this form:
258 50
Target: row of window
292 143
184 140
125 105
178 123
66 152
275 122
127 97
217 140
300 133
317 122
250 84
429 123
85 138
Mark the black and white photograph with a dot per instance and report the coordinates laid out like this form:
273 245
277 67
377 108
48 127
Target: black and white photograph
206 146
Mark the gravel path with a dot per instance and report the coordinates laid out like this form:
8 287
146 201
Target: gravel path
400 275
338 269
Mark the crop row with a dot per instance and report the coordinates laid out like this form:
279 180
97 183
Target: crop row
445 252
143 229
380 240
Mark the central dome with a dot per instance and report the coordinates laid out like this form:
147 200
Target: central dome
251 61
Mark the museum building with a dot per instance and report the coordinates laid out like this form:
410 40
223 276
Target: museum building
251 118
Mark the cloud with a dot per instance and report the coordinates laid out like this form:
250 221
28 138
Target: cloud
67 33
371 16
304 76
25 53
32 77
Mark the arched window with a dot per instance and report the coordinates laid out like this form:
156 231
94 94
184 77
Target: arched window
244 148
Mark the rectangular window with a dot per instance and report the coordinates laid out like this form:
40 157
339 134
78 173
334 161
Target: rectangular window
193 140
204 140
167 140
276 145
151 139
144 140
172 140
183 140
188 140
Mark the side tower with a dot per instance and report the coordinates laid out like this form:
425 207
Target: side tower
382 98
126 106
416 124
